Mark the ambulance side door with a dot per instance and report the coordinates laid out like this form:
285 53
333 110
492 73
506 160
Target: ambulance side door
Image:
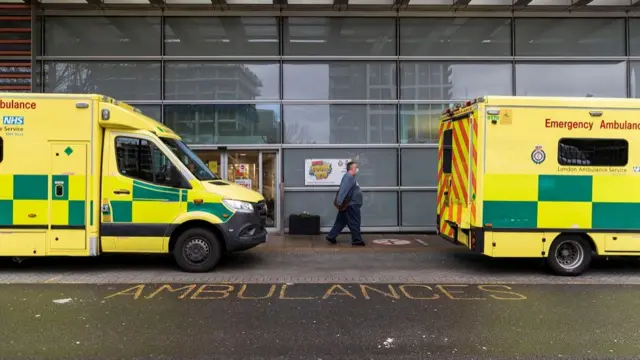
141 194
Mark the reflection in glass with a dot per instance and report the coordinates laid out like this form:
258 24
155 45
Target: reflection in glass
132 80
570 37
221 36
420 123
571 79
455 37
340 80
635 79
270 185
337 36
189 159
242 169
102 36
461 81
340 124
634 37
152 111
225 123
191 80
213 160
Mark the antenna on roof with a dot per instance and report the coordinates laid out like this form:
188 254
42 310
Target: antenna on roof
589 95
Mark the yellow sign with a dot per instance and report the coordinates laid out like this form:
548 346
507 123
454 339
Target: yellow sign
213 166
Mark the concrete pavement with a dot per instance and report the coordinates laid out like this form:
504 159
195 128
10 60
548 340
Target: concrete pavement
432 260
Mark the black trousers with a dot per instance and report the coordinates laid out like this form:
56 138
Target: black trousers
349 217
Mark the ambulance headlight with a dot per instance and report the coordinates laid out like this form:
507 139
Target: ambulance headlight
238 205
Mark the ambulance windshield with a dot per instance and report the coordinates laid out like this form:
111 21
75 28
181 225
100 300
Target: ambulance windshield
190 160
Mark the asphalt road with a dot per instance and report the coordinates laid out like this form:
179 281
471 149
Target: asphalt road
319 321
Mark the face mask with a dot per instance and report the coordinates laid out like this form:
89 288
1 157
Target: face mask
357 170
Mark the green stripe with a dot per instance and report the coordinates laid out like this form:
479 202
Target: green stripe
565 188
30 187
91 213
76 212
616 216
144 192
184 195
156 187
6 212
122 211
510 214
217 210
65 187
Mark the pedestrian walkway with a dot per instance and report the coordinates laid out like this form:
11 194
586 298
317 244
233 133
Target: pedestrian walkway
375 242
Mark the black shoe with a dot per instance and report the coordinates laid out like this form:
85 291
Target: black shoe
331 241
358 243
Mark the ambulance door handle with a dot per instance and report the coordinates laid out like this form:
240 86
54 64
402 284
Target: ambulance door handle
121 192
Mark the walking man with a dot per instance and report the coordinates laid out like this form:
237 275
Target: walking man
348 201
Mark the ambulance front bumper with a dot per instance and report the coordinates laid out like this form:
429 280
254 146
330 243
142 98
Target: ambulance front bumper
245 230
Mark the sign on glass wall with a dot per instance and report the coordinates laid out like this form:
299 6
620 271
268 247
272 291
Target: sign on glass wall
324 171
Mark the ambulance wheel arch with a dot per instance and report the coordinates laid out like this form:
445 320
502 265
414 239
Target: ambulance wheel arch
570 254
197 245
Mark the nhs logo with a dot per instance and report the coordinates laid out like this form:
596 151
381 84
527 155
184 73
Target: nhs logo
13 120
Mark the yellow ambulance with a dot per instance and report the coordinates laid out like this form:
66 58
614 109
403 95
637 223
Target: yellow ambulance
82 175
541 177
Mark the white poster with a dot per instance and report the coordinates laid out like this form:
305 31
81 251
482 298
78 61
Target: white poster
244 182
324 171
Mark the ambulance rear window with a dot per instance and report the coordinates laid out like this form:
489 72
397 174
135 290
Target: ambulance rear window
447 151
593 152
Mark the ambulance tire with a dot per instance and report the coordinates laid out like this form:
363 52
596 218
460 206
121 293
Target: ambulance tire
197 250
569 255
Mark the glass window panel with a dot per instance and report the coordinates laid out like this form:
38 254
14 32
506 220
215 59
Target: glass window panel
419 167
634 37
420 123
335 36
571 79
221 36
570 37
340 80
340 124
191 80
428 80
634 68
419 208
455 37
225 123
377 166
380 208
103 36
152 111
133 80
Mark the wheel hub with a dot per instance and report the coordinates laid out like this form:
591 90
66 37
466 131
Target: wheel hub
196 250
569 254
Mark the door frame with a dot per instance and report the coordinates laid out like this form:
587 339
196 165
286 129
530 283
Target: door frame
224 173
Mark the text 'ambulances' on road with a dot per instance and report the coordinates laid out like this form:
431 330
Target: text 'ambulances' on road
318 292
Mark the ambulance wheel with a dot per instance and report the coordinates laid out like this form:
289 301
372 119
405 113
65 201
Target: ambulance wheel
197 250
569 255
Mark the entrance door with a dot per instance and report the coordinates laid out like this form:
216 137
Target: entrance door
254 169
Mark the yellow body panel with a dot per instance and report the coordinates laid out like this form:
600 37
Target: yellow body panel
525 198
62 193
